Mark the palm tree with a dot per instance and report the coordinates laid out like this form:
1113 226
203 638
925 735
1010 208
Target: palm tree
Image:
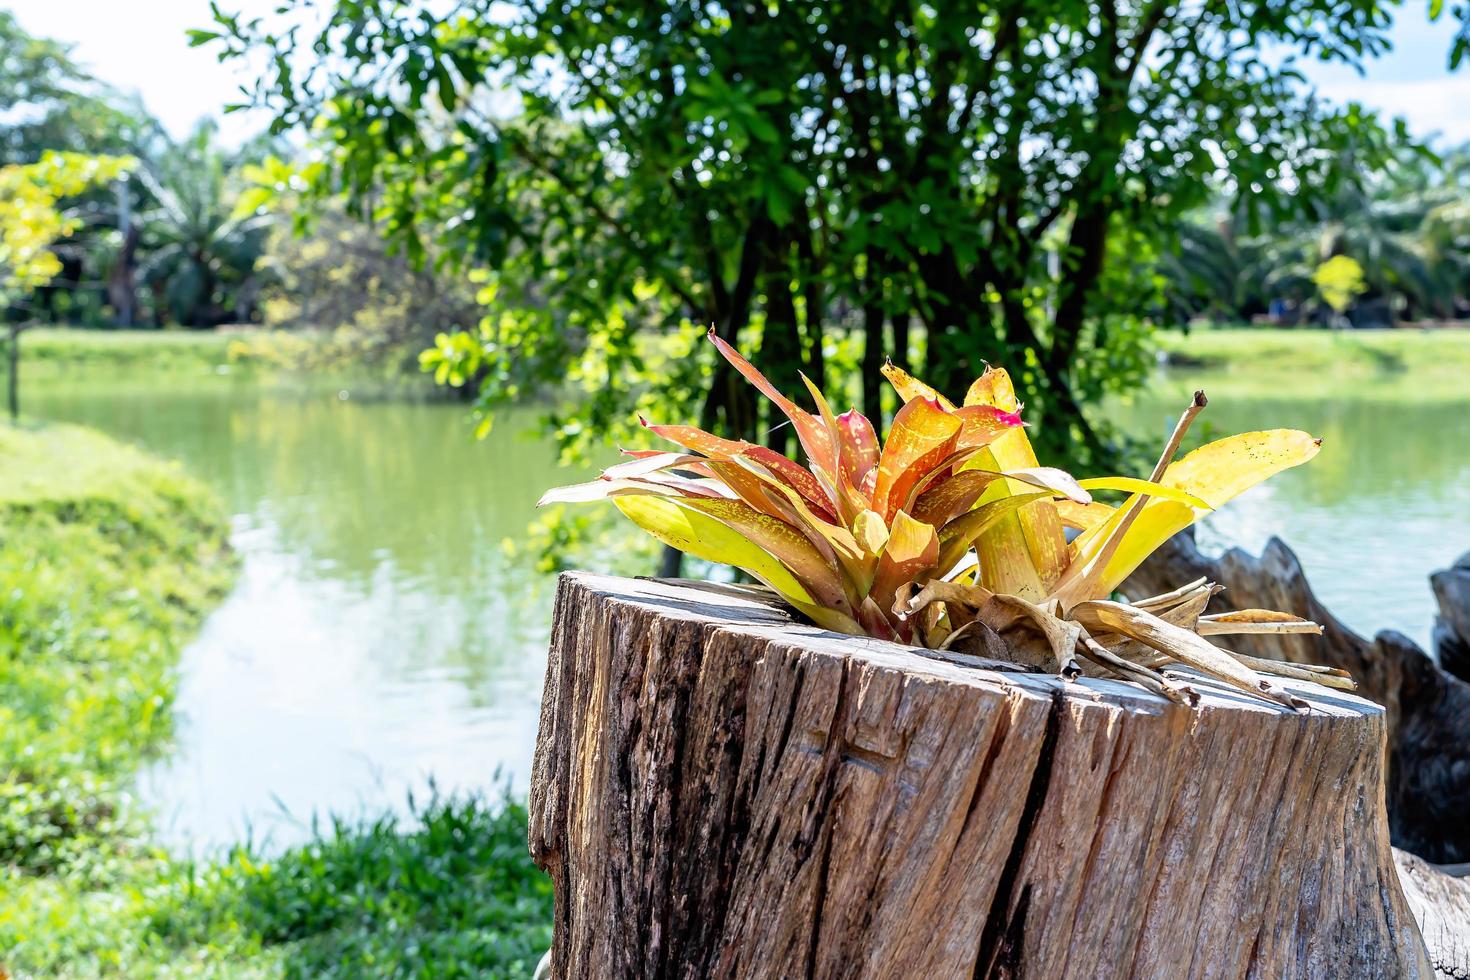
199 256
1408 227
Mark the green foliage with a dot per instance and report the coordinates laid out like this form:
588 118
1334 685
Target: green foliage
199 251
52 351
454 894
106 556
31 215
953 181
343 280
52 103
1406 226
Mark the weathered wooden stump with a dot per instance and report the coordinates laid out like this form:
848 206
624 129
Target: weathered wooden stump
721 792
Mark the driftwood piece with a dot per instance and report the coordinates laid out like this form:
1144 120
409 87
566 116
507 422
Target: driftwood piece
719 792
1452 626
1441 904
1428 710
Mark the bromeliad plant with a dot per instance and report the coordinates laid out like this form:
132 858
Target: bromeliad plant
951 536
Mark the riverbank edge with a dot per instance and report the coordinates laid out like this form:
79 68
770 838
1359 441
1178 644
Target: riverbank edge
109 560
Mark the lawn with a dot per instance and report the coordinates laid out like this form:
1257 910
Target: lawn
1412 363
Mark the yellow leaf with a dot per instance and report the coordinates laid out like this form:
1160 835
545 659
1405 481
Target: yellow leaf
1131 484
1025 553
1215 474
910 387
707 538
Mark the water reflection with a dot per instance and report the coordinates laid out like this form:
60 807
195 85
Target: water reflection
377 634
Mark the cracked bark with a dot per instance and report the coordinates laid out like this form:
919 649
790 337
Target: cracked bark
721 792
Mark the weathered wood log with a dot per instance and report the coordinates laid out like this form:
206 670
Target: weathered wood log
1428 710
1452 626
721 792
1441 904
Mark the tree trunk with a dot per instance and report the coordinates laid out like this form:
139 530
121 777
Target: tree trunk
872 366
122 288
12 361
1428 710
720 792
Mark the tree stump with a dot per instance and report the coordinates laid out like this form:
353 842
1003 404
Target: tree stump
1428 716
722 792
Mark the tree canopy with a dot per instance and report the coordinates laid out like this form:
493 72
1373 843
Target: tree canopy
944 184
32 218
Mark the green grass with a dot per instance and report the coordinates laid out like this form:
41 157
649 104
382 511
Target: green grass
50 351
108 560
1435 354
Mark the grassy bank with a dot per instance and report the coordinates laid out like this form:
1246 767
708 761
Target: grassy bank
108 561
282 357
1407 363
51 351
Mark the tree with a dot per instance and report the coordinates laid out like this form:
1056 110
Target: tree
52 103
1403 225
198 252
1339 280
379 307
798 173
32 221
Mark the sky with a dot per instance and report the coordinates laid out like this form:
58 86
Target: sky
141 46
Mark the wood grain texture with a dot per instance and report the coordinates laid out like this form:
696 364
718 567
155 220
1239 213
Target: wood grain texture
1428 710
719 792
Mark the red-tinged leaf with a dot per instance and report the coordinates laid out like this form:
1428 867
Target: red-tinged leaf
836 543
793 474
850 502
860 445
911 554
814 437
874 622
910 387
923 436
983 424
695 438
750 489
951 496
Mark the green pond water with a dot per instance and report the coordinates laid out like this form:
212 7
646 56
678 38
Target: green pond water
380 638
